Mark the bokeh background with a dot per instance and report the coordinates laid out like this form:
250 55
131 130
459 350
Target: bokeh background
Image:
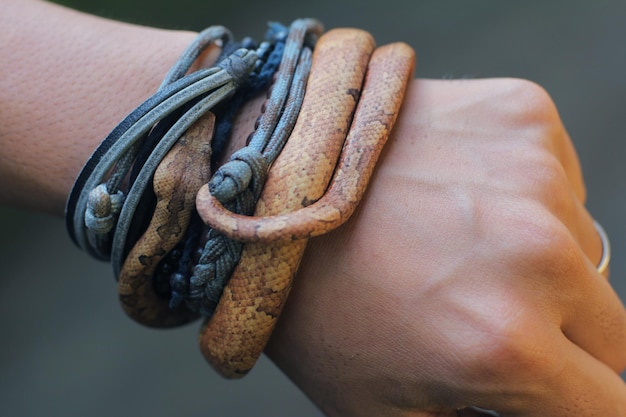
68 350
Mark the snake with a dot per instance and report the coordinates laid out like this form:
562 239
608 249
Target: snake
176 181
353 97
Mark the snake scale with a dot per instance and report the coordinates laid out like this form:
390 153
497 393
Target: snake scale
353 97
183 170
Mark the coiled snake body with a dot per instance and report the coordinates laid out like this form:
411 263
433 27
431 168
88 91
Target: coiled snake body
353 97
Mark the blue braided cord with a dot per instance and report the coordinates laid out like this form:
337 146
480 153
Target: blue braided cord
238 66
237 184
219 255
190 244
257 82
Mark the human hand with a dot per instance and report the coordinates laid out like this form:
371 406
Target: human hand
466 278
468 275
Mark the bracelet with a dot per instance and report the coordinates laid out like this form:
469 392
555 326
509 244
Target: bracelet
200 284
185 241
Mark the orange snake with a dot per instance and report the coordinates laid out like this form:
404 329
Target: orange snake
353 95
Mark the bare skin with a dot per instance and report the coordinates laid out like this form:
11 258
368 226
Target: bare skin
468 275
466 278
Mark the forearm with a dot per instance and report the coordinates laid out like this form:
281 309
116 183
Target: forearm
466 277
64 90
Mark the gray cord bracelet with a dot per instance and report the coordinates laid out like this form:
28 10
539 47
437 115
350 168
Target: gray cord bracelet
174 83
238 67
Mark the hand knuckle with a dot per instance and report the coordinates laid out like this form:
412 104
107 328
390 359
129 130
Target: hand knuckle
547 182
541 242
510 358
528 102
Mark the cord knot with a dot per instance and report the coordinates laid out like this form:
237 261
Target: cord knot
102 209
246 168
239 65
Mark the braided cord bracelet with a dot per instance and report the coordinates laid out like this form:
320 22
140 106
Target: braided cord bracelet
242 177
349 110
331 107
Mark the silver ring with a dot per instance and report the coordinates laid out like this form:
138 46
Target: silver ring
603 265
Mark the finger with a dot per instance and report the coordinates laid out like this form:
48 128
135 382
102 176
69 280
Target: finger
595 246
572 214
583 229
552 134
576 384
595 319
566 152
584 388
548 184
605 257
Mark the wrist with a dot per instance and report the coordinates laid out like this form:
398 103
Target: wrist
64 98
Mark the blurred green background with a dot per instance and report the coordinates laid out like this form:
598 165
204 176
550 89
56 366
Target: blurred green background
68 349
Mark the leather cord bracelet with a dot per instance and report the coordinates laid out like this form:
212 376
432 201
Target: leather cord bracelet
245 174
104 157
353 93
317 143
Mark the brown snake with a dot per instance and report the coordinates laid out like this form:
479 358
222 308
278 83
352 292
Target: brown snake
181 173
353 97
236 335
